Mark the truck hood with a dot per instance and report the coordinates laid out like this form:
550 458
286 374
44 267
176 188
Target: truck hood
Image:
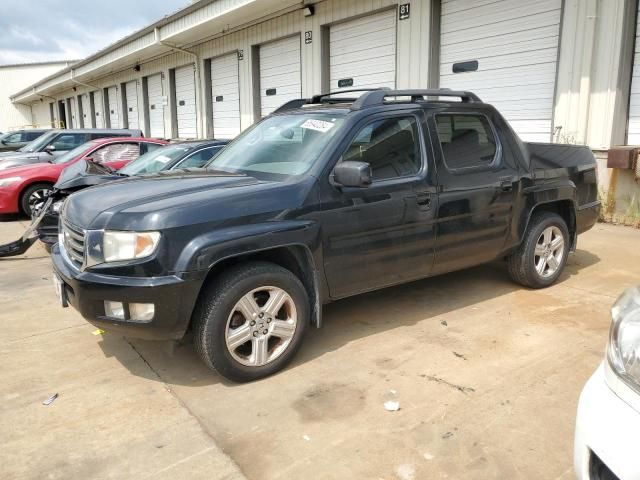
173 199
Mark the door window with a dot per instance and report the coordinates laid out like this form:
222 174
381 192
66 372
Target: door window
466 140
116 152
13 138
29 136
391 146
68 141
199 158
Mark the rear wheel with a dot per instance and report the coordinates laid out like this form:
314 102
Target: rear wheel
540 259
34 198
250 322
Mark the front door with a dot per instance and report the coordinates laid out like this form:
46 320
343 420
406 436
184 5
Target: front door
477 189
382 234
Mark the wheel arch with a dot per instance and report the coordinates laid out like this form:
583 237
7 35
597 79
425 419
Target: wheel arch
565 208
297 258
28 185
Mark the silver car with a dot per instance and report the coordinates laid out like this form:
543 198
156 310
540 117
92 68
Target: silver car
56 142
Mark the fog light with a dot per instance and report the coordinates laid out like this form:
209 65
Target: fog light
141 312
114 309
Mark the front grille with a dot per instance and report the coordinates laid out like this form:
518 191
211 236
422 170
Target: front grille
73 241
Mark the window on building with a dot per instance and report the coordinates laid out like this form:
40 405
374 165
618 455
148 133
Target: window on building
466 140
391 146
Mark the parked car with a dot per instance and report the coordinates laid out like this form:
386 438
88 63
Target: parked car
12 141
58 142
606 446
25 189
315 204
179 155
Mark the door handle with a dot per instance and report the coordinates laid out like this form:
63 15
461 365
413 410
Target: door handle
423 199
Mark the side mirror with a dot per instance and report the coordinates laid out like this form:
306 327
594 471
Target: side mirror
352 174
50 148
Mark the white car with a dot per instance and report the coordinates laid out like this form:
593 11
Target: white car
607 442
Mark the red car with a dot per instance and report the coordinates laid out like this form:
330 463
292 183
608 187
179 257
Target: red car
23 189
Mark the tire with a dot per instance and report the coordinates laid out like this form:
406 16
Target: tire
47 247
221 322
525 262
25 198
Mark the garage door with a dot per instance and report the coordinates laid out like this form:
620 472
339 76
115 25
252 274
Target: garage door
279 73
156 106
362 52
186 102
515 44
86 110
633 130
114 117
225 95
73 115
131 90
97 108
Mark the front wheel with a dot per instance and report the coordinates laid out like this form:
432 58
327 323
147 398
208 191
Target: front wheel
34 197
250 322
542 255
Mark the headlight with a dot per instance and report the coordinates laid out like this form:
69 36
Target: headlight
118 246
8 181
623 350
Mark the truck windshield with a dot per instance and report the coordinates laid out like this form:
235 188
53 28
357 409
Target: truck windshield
40 142
155 160
283 145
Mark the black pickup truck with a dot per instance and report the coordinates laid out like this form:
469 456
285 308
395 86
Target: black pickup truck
338 197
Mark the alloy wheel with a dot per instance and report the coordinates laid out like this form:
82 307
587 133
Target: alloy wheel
549 252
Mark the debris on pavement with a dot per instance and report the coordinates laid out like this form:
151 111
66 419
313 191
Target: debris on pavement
447 435
444 322
460 388
460 355
392 406
406 472
50 400
307 438
99 331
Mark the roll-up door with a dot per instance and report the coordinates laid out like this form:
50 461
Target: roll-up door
98 108
114 117
633 129
515 45
73 116
86 110
362 52
186 102
225 95
156 106
280 79
131 91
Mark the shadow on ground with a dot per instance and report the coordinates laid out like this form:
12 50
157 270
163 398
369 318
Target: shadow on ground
347 320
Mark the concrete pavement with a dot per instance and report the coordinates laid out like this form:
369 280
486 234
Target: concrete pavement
487 375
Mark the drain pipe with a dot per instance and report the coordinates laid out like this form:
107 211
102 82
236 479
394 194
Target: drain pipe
196 61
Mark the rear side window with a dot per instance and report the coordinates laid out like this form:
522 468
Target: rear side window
14 138
199 158
69 141
390 146
32 136
116 152
466 140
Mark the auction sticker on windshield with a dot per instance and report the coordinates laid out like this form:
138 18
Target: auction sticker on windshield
318 125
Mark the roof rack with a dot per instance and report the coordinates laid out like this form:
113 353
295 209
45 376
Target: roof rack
325 97
377 97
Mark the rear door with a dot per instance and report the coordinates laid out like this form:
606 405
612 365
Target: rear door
477 190
382 234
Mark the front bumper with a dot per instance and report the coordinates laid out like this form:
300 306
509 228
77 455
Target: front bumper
48 228
174 298
608 427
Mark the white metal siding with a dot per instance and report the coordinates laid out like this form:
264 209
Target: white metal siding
516 46
114 116
186 102
364 51
225 95
633 129
131 91
279 73
98 110
156 107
